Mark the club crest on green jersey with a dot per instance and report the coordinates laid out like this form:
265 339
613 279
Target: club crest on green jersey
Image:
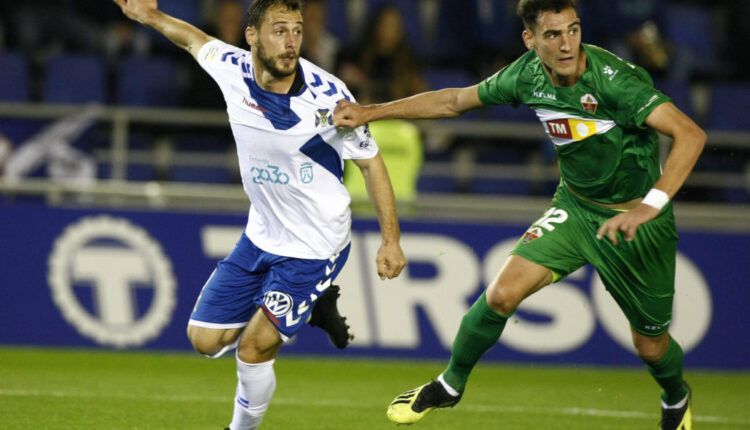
589 103
531 234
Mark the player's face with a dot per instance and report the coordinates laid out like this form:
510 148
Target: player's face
557 41
278 41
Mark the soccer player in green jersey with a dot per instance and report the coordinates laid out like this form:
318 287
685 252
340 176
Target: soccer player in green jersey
612 208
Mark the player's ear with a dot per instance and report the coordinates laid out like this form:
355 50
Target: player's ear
251 35
528 39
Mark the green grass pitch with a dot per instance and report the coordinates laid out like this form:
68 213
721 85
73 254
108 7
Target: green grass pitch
91 389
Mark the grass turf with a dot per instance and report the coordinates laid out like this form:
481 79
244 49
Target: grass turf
92 389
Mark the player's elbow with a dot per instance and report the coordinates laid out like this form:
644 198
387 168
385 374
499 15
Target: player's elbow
697 137
700 137
691 136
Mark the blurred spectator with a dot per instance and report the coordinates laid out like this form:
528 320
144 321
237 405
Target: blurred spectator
227 22
318 45
382 66
632 29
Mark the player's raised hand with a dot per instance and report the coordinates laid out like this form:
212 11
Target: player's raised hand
390 260
627 223
348 114
137 10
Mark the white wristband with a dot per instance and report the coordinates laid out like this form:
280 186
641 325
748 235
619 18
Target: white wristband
656 198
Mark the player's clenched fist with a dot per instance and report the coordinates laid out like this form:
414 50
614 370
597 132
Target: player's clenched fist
390 260
348 114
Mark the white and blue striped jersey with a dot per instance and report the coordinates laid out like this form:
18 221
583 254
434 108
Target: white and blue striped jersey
291 156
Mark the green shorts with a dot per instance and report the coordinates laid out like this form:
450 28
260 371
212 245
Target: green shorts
638 274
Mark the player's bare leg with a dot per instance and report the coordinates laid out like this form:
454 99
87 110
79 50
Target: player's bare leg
480 329
256 381
214 343
257 346
664 359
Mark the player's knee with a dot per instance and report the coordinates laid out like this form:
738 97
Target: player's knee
502 300
253 350
649 355
649 351
204 343
206 346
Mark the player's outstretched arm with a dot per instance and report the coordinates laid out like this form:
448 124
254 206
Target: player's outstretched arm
181 33
390 260
446 103
687 146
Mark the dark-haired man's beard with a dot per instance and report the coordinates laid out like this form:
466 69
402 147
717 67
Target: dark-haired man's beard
269 63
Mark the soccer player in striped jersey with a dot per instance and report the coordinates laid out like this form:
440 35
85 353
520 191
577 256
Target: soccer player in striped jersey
612 207
280 109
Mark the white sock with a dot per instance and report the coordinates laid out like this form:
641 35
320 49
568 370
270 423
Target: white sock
255 386
447 387
678 405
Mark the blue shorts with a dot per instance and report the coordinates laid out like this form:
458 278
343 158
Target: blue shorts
285 288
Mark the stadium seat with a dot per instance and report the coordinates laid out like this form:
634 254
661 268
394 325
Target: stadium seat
729 106
144 81
14 77
436 184
74 79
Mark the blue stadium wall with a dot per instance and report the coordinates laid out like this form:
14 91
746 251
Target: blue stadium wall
129 279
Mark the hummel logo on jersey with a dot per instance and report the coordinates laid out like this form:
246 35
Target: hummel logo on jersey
252 105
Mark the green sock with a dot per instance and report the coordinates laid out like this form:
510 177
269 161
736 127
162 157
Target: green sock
480 329
668 373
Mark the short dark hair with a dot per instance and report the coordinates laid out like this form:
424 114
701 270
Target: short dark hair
257 11
529 10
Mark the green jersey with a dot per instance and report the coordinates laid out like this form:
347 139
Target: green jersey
605 151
